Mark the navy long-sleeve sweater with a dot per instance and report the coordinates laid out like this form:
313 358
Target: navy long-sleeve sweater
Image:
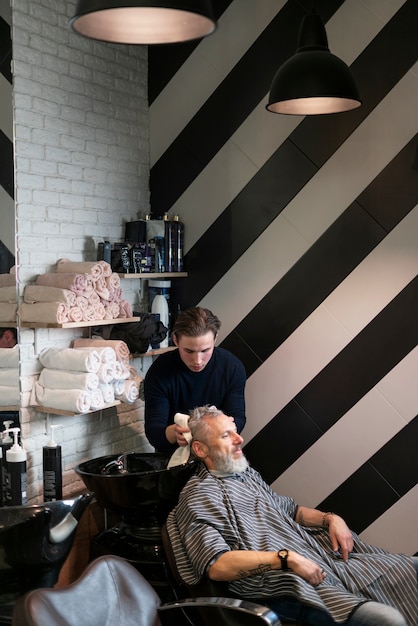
170 387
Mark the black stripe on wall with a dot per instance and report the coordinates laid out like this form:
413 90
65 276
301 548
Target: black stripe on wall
379 483
379 208
5 50
228 106
6 164
165 60
381 345
259 203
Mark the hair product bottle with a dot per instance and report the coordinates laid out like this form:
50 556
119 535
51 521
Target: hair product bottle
6 443
178 244
159 305
15 475
52 468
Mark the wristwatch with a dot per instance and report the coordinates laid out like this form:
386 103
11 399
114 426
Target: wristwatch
283 554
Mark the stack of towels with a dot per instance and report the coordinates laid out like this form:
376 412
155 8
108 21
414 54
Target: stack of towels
8 297
9 376
83 379
77 291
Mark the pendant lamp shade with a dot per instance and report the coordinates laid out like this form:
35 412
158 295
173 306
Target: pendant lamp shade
144 21
313 81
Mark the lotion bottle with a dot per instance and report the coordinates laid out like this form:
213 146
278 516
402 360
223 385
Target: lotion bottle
6 443
15 475
52 468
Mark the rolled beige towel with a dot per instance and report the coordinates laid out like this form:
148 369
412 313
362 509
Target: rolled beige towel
67 379
9 357
7 280
43 293
47 312
9 376
70 359
72 281
9 395
101 288
113 281
94 268
120 347
75 314
112 311
125 309
8 312
8 294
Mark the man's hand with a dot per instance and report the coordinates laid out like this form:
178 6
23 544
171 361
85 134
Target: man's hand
305 568
340 535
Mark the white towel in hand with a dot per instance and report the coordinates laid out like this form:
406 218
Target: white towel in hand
182 454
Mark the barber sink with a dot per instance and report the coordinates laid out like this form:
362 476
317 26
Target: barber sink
35 540
138 486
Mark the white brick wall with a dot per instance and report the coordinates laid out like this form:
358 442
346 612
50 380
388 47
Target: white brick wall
82 170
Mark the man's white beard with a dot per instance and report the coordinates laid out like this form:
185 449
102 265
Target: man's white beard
230 465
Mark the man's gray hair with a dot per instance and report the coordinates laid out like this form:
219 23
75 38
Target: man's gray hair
198 424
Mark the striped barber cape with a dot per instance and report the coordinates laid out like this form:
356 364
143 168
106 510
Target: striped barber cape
240 512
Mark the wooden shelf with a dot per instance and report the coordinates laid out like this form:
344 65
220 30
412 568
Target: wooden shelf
11 407
53 411
118 320
155 275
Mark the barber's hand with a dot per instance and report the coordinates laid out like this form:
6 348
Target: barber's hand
181 441
340 535
175 434
305 568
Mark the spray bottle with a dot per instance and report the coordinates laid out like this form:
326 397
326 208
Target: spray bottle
6 443
15 475
52 468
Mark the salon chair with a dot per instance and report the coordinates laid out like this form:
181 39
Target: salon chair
216 590
111 591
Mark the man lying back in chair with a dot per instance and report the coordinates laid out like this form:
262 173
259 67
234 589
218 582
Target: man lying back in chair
230 526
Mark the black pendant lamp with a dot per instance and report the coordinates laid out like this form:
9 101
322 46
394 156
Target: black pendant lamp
313 81
144 21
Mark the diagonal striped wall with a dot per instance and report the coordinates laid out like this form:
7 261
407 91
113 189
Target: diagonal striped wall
302 235
7 213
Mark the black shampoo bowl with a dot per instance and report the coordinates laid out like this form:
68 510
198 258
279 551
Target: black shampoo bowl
138 486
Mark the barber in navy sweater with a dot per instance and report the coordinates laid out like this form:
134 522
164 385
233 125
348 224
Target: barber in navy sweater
195 374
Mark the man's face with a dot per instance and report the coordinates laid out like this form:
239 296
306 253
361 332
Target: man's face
7 339
222 449
195 352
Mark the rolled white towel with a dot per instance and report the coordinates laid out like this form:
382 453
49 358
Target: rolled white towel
120 372
9 376
108 392
75 400
130 392
96 400
70 359
9 357
66 379
105 372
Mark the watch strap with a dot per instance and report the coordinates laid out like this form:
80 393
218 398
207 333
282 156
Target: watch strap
283 554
